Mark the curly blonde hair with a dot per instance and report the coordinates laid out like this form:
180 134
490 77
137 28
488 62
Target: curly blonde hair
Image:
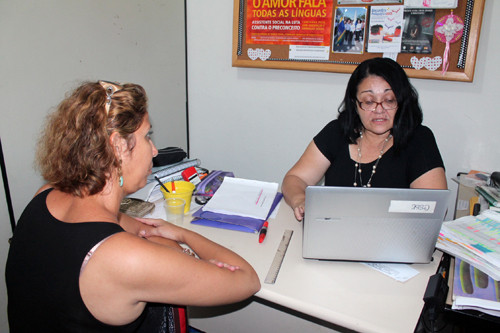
74 153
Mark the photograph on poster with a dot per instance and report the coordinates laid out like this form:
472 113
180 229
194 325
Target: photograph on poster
418 30
349 30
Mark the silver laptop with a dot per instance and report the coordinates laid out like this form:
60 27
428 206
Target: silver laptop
372 224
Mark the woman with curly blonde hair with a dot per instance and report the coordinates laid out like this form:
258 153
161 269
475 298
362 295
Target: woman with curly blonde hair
79 264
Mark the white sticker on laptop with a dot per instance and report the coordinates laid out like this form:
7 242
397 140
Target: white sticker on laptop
405 206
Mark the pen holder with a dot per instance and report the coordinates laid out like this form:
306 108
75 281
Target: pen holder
183 190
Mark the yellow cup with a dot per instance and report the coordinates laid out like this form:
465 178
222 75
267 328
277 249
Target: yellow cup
183 190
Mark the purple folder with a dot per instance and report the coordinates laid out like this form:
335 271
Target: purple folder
232 222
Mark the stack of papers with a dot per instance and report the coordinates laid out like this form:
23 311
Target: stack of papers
239 204
474 239
474 290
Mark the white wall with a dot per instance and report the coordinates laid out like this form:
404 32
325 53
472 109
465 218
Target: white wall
257 122
48 47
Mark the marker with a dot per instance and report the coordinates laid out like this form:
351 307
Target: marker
173 187
263 232
159 182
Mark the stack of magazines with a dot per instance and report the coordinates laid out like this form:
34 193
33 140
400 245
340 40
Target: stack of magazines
474 290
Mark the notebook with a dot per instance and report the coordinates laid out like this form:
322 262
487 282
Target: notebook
372 224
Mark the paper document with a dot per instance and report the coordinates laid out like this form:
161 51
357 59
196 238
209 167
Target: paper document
243 197
399 272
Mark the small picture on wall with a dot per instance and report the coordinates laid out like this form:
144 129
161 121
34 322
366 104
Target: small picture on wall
349 30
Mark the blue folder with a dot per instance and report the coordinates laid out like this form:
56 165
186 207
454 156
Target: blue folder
232 222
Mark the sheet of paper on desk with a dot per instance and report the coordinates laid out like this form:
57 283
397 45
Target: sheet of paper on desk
399 272
244 197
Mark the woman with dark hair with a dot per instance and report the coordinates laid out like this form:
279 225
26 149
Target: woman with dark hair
76 264
378 139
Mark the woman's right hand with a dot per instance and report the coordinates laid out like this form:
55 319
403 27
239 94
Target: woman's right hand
308 170
298 211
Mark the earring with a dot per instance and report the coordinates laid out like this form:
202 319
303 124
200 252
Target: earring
120 174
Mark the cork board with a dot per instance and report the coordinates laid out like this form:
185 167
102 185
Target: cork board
253 50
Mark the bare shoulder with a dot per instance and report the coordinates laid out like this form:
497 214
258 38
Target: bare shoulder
43 188
104 281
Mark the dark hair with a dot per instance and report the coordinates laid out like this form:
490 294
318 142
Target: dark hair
74 153
409 114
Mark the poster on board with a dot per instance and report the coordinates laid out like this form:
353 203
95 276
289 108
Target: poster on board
272 34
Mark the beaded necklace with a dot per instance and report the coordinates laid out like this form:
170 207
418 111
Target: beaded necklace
357 165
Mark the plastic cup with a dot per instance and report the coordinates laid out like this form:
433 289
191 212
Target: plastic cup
183 190
174 207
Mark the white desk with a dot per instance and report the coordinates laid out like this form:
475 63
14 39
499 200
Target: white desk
347 294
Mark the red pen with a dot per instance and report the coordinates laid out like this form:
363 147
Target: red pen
173 187
263 232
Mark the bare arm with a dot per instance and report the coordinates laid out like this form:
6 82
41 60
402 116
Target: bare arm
127 271
308 170
432 179
134 226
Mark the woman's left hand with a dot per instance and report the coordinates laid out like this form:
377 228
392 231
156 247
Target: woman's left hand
150 221
161 228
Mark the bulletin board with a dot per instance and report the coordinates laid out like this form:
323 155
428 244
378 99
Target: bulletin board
262 38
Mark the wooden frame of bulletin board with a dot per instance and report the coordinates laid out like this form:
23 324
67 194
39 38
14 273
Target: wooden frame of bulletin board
462 55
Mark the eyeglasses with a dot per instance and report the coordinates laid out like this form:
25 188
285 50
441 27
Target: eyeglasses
388 104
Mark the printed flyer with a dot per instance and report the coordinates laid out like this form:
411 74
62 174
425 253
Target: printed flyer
285 22
386 24
418 31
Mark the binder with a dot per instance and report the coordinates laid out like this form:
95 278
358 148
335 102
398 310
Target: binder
233 222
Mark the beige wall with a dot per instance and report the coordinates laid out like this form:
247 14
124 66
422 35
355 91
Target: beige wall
48 46
257 122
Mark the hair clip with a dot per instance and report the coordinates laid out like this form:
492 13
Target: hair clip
110 88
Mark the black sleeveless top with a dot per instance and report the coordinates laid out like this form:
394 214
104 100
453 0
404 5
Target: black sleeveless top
397 170
42 275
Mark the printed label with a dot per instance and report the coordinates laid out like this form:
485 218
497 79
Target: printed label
421 207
